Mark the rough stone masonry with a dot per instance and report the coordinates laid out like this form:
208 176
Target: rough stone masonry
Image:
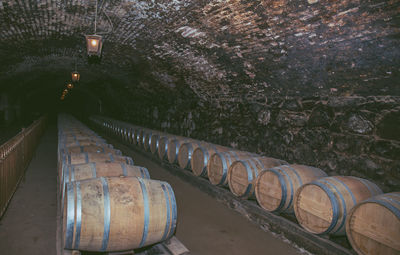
310 81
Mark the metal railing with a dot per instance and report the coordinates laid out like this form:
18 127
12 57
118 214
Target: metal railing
15 155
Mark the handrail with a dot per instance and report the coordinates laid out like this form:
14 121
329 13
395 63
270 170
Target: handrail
15 155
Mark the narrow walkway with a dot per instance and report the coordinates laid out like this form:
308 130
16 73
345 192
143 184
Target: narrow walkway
29 224
207 227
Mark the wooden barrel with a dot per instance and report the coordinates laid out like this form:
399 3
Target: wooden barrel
185 153
84 143
373 226
142 134
243 173
154 141
126 134
132 135
201 156
163 146
321 206
78 134
81 172
173 148
87 157
275 187
90 148
219 163
68 139
147 139
114 214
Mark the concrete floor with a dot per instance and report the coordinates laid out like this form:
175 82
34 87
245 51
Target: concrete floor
204 225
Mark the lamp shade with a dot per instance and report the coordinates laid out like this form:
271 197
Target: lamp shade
75 76
94 44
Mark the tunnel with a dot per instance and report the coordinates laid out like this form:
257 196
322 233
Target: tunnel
308 82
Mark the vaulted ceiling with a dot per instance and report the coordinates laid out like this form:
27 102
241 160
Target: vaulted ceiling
210 50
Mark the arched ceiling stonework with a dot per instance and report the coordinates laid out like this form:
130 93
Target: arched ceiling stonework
313 82
223 51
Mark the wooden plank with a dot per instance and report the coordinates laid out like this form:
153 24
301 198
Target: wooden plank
175 246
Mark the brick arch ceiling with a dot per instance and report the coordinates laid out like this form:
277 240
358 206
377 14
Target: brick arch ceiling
219 50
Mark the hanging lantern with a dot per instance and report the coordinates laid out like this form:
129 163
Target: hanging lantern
94 45
70 86
75 76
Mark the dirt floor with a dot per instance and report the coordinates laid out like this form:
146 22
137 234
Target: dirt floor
205 226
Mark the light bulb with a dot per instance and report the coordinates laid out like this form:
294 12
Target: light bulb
93 42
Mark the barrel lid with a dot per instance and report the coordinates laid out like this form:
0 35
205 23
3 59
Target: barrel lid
269 190
373 228
238 178
314 207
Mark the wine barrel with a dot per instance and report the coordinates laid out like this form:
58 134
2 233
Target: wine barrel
275 187
173 148
219 163
163 146
142 134
243 173
185 153
69 139
201 156
132 135
79 172
87 157
114 214
373 226
127 133
154 141
84 143
147 139
90 148
321 206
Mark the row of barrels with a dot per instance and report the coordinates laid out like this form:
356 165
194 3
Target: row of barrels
15 156
108 203
333 205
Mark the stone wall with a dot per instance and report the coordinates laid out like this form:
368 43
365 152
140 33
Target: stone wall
354 135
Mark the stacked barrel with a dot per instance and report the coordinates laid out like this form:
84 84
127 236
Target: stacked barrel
322 205
107 203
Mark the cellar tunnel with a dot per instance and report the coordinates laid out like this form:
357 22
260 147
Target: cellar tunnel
312 82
